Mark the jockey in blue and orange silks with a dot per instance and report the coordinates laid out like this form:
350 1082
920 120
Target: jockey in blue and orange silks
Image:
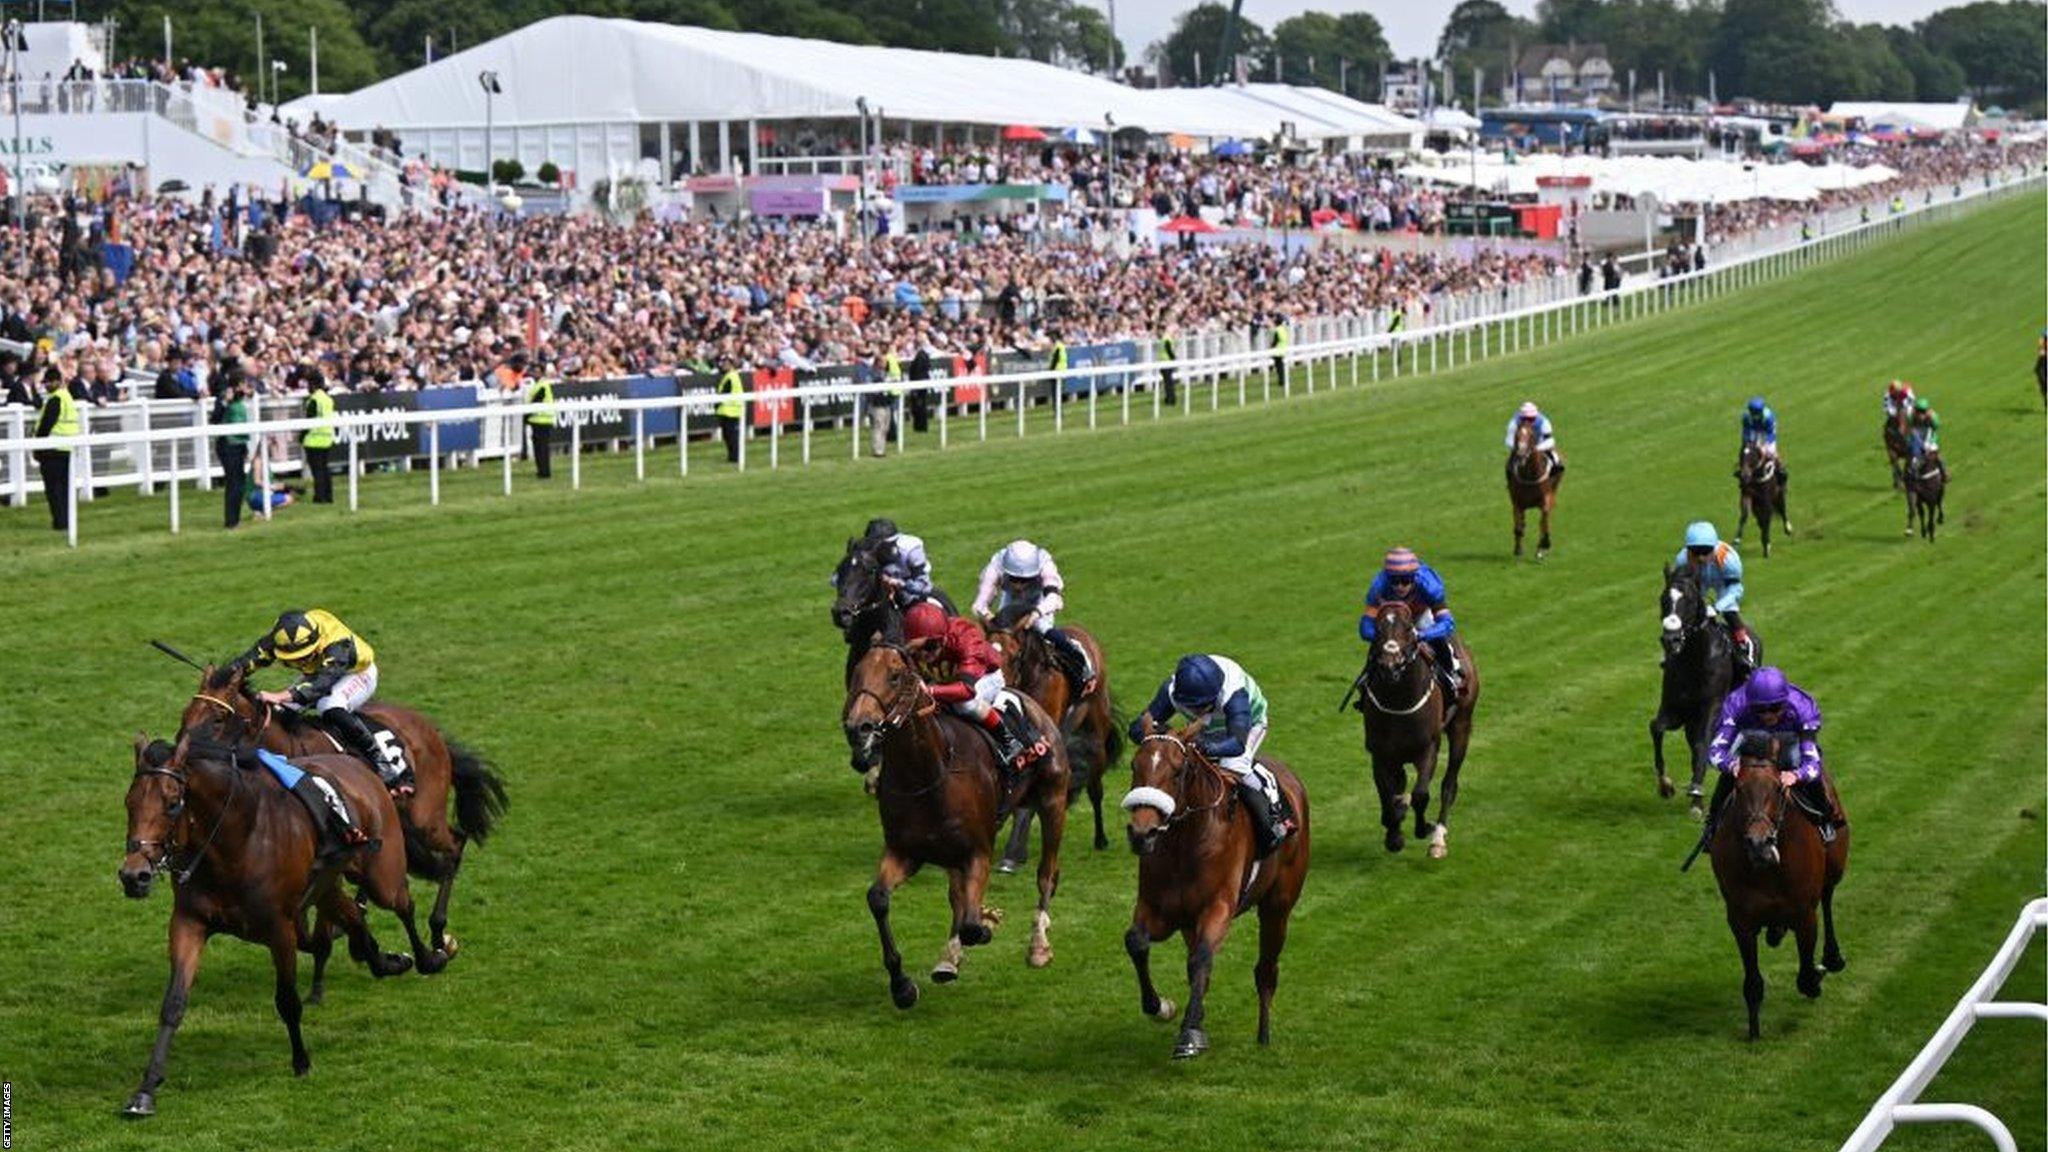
1404 578
1719 568
1771 705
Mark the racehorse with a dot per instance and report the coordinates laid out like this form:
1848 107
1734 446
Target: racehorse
1898 444
1926 484
1762 493
242 855
866 605
1532 483
1699 670
939 793
1773 871
1196 873
1408 719
433 847
1088 725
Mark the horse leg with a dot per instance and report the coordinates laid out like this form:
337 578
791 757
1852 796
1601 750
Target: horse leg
1052 829
187 942
1809 975
1763 525
1696 743
1146 927
320 946
1447 793
947 969
1203 942
1752 976
1266 974
1425 775
1099 764
1017 851
1390 780
362 945
1543 541
284 956
1778 502
437 920
1831 952
892 871
1521 517
1658 727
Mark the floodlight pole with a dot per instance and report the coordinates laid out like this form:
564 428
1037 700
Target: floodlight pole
15 43
489 83
860 210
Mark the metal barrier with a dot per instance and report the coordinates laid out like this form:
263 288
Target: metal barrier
1900 1103
148 447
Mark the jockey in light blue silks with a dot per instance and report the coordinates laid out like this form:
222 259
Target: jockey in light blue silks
1770 705
1234 712
1546 436
1719 569
1405 578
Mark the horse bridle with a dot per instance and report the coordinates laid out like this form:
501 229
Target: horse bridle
1414 654
1515 466
1191 757
1785 791
181 818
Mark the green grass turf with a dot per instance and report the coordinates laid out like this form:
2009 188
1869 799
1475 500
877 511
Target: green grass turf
667 945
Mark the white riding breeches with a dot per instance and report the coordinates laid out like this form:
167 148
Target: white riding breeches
1043 624
1242 763
986 692
349 693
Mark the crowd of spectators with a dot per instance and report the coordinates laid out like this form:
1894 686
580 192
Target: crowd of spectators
259 291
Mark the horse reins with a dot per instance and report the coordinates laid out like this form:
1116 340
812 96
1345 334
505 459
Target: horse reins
895 717
1190 758
184 875
1413 655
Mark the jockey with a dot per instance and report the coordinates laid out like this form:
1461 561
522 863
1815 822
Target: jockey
1924 434
1024 575
904 567
975 690
1719 569
1769 703
1405 578
1760 427
1898 397
1234 725
338 671
1546 436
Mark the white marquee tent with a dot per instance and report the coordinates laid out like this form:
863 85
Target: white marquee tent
592 93
1671 179
1937 117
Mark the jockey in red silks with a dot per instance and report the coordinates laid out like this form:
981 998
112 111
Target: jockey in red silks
975 689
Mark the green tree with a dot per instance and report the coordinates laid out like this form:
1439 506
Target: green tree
1313 48
1198 34
1936 78
224 36
1783 50
1483 34
2000 46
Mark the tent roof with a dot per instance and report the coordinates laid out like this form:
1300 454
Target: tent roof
588 70
1671 179
1944 117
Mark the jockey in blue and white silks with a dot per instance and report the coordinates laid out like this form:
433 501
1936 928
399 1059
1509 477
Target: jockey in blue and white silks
1403 577
1546 436
1719 569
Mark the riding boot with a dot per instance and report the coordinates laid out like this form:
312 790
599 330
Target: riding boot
1557 463
351 728
1268 830
1073 661
1448 666
1813 795
338 834
1008 745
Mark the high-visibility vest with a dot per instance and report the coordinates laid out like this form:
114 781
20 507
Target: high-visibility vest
1281 337
1167 351
730 387
320 406
1059 356
542 392
892 371
67 413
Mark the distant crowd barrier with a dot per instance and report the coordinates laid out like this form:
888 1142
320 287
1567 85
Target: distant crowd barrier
166 444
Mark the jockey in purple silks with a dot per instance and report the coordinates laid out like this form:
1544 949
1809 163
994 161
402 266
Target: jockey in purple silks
1770 705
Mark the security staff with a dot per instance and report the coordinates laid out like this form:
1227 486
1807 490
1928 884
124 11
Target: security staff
59 418
732 410
318 441
1283 339
1169 355
541 425
232 407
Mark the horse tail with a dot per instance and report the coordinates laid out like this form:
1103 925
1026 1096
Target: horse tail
479 794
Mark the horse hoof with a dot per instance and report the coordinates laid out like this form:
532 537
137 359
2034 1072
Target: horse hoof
993 917
393 964
1809 984
1008 867
1040 955
903 991
449 945
316 997
1834 962
301 1066
1541 556
1666 789
1166 1010
432 963
975 935
1193 1042
944 972
1101 842
141 1106
1437 851
1697 811
1396 842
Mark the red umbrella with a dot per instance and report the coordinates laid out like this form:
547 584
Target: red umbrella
1188 224
1322 216
1022 132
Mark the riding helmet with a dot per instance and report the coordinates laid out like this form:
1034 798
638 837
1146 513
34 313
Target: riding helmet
1529 410
293 636
1768 686
1022 560
1402 562
1922 404
1756 404
880 528
924 620
1701 534
1197 681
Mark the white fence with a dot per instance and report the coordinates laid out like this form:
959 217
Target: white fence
165 444
1900 1103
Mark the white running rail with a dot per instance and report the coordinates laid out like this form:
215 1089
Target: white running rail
1900 1104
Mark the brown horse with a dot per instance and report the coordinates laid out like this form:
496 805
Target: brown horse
1774 870
1898 444
1532 483
1926 484
1196 873
433 848
939 794
1408 720
1761 487
1088 725
242 853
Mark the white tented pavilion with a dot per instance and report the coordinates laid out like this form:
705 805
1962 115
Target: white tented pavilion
598 95
1926 117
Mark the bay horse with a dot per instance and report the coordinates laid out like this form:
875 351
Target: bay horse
1196 873
1774 871
1699 671
1761 488
1898 444
1532 483
1926 484
938 792
1408 720
1088 725
241 853
441 766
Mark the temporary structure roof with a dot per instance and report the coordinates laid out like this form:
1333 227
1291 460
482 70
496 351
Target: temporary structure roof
1671 179
1941 117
